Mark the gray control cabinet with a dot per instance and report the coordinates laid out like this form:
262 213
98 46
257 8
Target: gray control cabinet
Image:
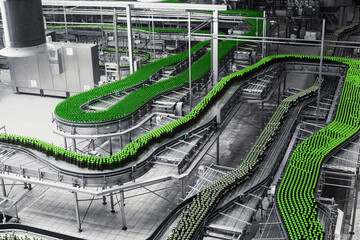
69 69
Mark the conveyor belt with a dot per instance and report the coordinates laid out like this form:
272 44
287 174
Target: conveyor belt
222 85
259 175
272 160
94 179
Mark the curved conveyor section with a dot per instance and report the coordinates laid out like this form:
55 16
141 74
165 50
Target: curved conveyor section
207 199
69 111
263 177
30 230
97 179
69 108
295 196
348 118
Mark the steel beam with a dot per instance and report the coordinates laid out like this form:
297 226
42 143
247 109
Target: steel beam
130 38
237 219
345 160
71 188
242 205
176 150
337 185
263 52
190 62
116 45
215 47
140 5
320 71
154 192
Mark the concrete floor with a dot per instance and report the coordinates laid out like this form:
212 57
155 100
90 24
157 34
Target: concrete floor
26 114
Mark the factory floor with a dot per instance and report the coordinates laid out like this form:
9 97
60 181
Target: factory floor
54 210
26 114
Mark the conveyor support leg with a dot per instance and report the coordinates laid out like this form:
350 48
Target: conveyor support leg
3 187
122 207
218 151
104 198
110 146
74 144
77 212
182 188
65 142
112 203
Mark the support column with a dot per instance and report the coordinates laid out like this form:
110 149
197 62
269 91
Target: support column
66 29
122 208
215 49
263 52
29 185
356 193
116 44
190 62
320 70
65 143
102 22
262 114
182 188
104 198
93 144
279 94
3 187
121 142
112 202
77 212
74 144
257 27
341 16
16 213
218 151
110 146
130 38
153 35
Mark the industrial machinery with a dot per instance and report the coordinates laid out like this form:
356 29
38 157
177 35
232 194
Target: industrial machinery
193 120
64 70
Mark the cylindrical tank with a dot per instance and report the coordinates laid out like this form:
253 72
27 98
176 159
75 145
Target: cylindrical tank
23 27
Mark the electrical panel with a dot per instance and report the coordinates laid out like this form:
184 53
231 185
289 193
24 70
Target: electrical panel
55 61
